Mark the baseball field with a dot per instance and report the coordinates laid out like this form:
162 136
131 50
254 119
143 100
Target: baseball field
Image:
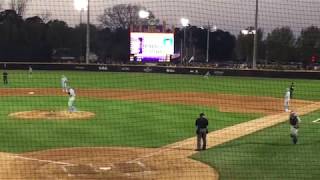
141 126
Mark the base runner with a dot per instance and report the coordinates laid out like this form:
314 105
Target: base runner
294 121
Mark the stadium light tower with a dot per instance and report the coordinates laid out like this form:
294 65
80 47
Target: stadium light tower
143 14
214 28
80 5
255 41
255 36
88 32
246 32
184 23
83 5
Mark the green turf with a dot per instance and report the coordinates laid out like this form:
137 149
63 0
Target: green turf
305 89
269 154
117 123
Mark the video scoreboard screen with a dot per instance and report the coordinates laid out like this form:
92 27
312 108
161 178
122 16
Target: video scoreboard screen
151 47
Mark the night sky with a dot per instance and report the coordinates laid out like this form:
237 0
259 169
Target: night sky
230 15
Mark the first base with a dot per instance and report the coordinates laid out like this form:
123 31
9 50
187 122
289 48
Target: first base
30 92
105 168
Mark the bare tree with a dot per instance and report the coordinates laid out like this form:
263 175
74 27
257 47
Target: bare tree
45 16
124 15
19 6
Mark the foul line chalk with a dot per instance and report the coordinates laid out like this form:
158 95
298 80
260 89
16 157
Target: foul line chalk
154 153
316 121
45 161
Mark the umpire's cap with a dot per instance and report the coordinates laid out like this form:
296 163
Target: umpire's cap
202 114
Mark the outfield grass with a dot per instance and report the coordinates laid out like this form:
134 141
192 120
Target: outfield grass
117 123
305 89
269 154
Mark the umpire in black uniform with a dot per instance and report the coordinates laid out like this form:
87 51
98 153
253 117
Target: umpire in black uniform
5 77
291 90
202 130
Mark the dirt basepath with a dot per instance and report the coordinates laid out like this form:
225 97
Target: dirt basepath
168 162
224 102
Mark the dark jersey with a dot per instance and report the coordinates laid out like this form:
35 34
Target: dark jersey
5 74
291 88
293 120
202 123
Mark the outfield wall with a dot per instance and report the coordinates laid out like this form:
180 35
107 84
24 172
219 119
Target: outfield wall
165 69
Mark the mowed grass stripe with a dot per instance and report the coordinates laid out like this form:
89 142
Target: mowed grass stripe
117 123
270 87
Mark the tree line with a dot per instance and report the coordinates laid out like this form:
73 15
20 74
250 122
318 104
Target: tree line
39 39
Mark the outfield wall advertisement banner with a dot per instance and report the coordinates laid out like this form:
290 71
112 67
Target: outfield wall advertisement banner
164 69
154 47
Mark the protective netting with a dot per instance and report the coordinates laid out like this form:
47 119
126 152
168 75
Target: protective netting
231 15
117 118
287 30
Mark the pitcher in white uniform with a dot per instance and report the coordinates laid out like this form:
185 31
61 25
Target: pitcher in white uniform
72 98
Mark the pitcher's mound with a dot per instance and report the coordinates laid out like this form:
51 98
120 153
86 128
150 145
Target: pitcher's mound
53 115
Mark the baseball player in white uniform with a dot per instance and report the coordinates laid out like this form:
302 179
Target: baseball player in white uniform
30 72
72 98
64 83
287 100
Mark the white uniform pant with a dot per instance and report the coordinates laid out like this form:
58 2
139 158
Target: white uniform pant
71 103
64 86
286 105
294 131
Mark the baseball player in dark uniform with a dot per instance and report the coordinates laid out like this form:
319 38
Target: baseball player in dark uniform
294 121
291 90
5 77
201 130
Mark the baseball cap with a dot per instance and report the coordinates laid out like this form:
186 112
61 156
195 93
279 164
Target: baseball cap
202 114
293 113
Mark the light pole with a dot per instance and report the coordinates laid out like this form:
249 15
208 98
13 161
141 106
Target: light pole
185 23
82 36
82 5
253 32
88 33
208 40
255 41
81 14
143 14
